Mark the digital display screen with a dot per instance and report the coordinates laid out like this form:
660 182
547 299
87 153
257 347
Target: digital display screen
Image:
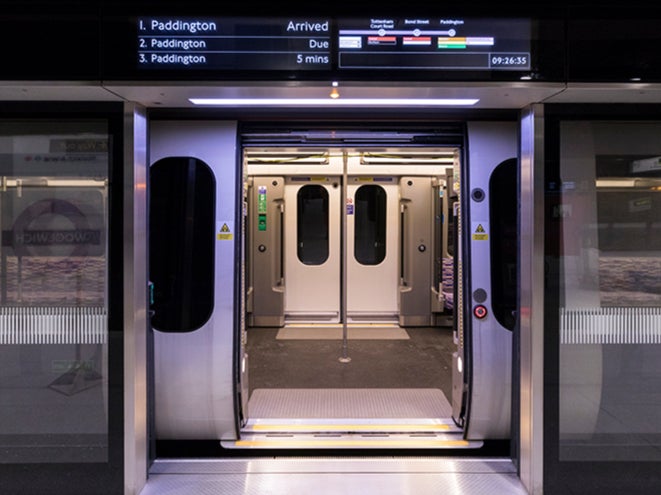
234 43
434 44
325 44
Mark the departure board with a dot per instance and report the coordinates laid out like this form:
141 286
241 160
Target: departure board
425 43
240 44
328 45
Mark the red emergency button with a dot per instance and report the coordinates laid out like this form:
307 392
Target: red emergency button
480 311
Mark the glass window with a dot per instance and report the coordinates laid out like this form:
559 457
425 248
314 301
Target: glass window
607 214
182 205
370 225
503 214
54 222
312 226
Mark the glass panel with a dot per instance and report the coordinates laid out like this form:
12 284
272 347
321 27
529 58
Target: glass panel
370 225
609 212
503 213
182 201
54 292
312 226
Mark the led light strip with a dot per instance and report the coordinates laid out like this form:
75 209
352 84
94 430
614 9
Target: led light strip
347 102
289 443
353 427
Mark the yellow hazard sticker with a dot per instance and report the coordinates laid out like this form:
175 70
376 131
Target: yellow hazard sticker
480 232
225 234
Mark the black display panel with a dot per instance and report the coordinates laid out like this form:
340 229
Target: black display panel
316 47
434 43
261 44
240 44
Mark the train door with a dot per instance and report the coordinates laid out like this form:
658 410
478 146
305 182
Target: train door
192 246
312 248
299 225
372 249
488 206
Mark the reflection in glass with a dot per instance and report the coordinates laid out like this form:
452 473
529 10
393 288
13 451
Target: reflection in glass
609 210
312 224
53 292
370 225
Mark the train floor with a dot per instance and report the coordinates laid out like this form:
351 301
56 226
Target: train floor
382 385
410 358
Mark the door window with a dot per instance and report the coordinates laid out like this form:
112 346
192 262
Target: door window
312 225
370 225
181 247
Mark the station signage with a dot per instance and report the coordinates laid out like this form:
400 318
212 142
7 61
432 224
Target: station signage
434 44
338 45
234 44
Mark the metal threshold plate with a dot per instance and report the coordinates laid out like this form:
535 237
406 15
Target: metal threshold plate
350 418
351 425
352 441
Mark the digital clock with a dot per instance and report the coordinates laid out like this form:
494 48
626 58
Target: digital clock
518 60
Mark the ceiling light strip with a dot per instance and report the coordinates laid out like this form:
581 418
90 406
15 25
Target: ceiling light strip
334 102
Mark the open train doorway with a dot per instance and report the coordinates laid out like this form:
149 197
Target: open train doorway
352 300
350 294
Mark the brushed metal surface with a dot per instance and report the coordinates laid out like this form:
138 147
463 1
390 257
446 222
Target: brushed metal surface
323 476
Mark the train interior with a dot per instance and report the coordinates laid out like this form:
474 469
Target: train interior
349 301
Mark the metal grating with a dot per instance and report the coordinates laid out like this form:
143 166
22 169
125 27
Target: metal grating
53 325
610 325
349 403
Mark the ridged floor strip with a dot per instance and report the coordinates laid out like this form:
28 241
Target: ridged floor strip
348 441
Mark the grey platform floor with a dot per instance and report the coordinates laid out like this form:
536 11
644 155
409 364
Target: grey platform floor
335 476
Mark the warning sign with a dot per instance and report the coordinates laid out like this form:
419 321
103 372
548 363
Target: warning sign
225 233
480 231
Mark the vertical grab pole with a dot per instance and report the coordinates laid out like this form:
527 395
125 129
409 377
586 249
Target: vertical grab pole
343 261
